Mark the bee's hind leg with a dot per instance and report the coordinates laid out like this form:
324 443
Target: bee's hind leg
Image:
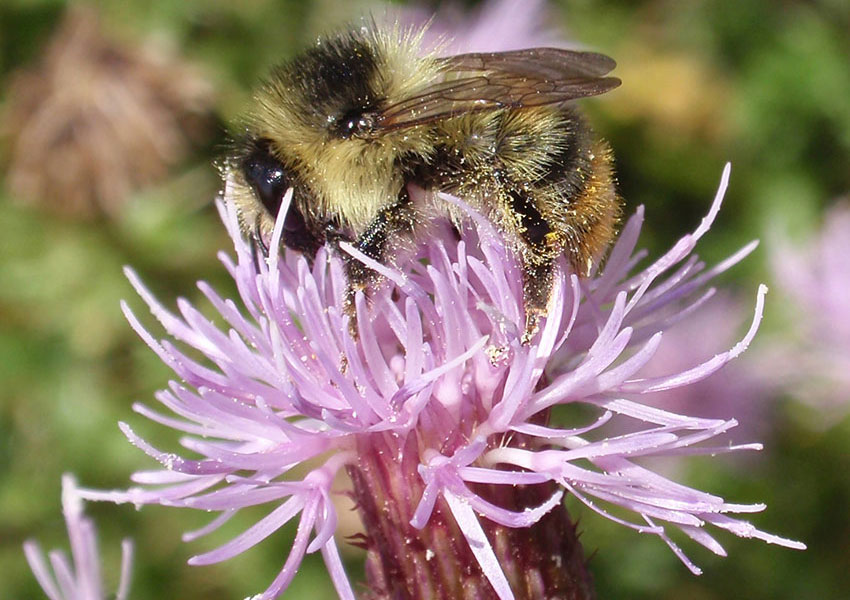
537 281
538 249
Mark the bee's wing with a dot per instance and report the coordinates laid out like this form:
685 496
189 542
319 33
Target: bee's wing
493 81
547 63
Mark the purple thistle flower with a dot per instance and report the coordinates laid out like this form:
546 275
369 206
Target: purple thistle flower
814 361
438 412
496 26
81 578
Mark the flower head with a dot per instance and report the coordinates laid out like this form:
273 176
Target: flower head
81 578
438 384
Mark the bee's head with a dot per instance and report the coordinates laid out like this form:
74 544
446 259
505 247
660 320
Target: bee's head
269 180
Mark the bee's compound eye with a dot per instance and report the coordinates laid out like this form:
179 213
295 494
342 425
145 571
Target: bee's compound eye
266 176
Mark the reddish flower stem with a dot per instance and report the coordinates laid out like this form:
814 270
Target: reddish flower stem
405 563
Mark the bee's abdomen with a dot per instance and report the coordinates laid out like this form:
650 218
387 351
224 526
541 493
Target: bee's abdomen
555 181
578 198
540 174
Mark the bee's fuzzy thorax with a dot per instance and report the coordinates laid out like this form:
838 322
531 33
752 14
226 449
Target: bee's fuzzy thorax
302 103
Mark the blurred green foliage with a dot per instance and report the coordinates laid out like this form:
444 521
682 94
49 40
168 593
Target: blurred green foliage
760 83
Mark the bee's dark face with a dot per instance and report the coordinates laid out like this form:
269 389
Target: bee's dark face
270 181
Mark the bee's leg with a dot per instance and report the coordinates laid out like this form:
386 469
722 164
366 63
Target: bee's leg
539 249
259 248
537 280
392 221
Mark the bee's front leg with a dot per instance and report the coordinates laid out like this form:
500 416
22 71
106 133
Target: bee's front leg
259 247
376 242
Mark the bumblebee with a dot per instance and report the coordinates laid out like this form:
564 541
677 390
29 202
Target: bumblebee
358 120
